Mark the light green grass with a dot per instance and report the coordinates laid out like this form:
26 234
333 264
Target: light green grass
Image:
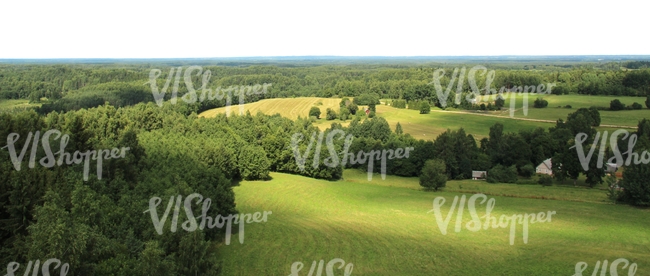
386 230
552 112
16 105
429 126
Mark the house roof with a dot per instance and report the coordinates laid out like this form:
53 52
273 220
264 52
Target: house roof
548 163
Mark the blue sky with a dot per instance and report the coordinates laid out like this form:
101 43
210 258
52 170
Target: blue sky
165 29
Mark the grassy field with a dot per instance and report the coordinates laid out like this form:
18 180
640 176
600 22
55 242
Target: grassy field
552 112
429 126
383 228
290 108
425 127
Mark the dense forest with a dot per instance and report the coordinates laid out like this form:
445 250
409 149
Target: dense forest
98 226
71 87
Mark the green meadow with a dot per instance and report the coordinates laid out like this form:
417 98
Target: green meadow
477 123
556 108
383 227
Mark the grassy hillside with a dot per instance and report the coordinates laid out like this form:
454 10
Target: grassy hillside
429 126
386 230
290 108
552 112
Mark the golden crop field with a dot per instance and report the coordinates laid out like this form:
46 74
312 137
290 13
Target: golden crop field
290 108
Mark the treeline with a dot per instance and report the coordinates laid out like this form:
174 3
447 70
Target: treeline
62 82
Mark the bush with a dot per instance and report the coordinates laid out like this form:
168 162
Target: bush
344 113
635 185
371 114
545 180
433 174
399 103
499 102
616 105
637 106
540 103
527 171
425 108
353 108
567 106
414 105
315 112
502 174
331 114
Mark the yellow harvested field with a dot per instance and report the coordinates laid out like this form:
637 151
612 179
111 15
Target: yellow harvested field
290 108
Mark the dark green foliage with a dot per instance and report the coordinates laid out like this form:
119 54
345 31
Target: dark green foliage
499 102
314 112
568 106
615 105
540 103
545 180
353 108
433 175
635 184
330 114
647 101
366 99
398 129
344 113
527 171
399 103
372 107
636 105
425 108
502 174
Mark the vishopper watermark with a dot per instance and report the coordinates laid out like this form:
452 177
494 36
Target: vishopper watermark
488 90
475 224
333 160
191 225
45 268
643 158
297 266
613 268
49 160
206 93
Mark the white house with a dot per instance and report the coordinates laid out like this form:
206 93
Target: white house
479 175
546 167
611 168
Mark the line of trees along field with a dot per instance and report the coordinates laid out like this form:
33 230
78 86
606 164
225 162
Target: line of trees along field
71 87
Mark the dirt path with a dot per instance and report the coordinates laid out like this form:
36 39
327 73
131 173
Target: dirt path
516 118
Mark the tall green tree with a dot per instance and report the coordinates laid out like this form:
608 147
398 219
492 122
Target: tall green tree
433 175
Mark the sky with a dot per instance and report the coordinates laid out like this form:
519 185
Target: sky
201 29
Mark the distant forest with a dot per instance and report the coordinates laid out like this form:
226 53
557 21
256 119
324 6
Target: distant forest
74 86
